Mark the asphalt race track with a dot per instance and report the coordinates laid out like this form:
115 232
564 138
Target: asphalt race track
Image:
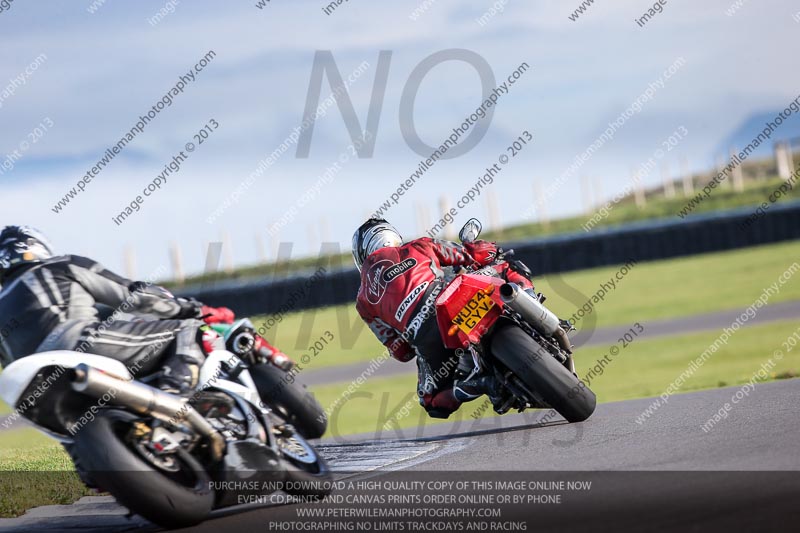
664 474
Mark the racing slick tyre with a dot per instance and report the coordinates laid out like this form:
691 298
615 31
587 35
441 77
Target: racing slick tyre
176 494
542 373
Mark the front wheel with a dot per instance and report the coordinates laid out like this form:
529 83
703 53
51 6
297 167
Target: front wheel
542 373
178 494
307 473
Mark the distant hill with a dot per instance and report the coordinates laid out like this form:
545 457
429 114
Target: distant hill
755 124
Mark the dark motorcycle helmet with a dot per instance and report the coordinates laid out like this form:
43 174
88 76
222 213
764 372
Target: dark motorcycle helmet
21 246
373 235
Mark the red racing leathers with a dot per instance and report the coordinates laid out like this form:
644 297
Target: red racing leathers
393 283
399 286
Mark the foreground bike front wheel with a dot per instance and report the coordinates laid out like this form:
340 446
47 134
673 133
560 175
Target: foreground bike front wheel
174 492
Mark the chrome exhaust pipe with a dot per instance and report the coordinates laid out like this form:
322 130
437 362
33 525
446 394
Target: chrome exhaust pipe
537 315
144 399
534 313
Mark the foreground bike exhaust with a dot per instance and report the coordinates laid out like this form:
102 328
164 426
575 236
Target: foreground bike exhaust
534 313
144 399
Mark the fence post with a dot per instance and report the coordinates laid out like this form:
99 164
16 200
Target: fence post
669 185
688 179
738 177
177 263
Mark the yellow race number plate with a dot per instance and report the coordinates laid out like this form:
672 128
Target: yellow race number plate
472 313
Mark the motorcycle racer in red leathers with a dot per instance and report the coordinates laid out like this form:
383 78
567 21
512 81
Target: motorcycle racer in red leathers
399 286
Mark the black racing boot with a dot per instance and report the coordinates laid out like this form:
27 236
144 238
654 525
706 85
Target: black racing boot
473 387
470 383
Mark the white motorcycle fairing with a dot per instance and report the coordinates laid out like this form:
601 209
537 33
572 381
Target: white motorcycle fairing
17 376
212 369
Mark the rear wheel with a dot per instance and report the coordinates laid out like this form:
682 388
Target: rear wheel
290 400
542 373
175 493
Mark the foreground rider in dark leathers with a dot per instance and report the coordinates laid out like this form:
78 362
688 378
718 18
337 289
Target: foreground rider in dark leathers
53 303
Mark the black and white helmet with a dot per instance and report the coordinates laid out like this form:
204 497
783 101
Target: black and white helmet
373 235
20 245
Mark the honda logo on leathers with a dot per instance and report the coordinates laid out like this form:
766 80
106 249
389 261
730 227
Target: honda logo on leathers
410 299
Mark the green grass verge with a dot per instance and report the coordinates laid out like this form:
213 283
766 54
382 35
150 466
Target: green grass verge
682 286
650 291
35 471
643 369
